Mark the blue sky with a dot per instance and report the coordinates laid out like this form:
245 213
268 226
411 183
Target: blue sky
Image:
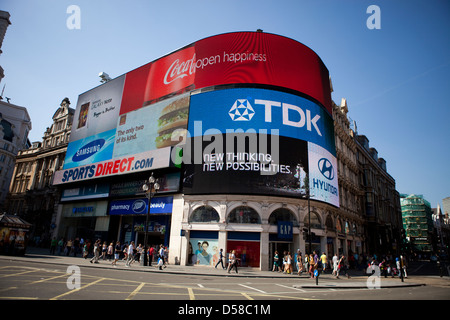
395 79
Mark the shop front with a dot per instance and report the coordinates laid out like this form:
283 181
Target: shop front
87 220
130 217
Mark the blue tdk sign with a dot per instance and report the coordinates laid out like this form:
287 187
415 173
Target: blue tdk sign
261 111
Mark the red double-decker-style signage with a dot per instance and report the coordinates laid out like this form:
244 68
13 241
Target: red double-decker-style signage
231 58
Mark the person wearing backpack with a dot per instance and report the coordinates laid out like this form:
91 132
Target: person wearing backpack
220 259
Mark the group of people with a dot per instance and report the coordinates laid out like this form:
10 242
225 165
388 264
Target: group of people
233 261
389 267
114 252
66 247
338 265
129 253
304 263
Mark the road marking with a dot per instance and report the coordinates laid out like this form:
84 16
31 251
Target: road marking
247 296
17 274
191 294
243 285
48 279
76 290
283 286
131 296
200 285
20 298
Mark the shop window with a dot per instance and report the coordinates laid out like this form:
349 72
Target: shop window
204 214
283 214
315 221
244 214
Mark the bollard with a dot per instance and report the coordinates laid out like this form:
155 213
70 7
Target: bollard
316 275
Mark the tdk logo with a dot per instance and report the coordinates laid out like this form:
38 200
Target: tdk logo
292 115
326 168
241 110
88 150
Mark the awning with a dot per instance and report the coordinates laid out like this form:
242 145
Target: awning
8 220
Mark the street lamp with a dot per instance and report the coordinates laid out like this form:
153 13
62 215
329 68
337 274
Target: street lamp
150 188
308 196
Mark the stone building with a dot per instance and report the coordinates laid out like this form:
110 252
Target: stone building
31 194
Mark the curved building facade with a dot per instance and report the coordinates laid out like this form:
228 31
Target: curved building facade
239 129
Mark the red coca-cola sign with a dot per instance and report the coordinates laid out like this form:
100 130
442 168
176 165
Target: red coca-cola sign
231 58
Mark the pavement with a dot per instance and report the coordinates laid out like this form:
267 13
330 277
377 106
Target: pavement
357 279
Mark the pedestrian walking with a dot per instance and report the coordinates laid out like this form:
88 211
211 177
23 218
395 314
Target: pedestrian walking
68 247
299 262
233 262
130 255
96 252
104 250
276 262
53 245
117 251
110 251
342 267
335 262
324 260
311 265
60 246
403 265
289 263
161 256
220 259
151 252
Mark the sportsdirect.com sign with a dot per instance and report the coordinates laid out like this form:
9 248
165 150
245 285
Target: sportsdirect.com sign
139 162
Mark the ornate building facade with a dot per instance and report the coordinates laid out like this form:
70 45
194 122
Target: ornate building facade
31 194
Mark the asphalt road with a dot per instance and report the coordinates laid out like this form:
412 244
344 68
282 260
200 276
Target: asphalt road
40 281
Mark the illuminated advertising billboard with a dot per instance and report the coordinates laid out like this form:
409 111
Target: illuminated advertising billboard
130 123
259 141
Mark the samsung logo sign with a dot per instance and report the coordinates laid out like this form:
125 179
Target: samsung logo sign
88 150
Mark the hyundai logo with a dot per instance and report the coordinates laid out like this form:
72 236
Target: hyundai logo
326 168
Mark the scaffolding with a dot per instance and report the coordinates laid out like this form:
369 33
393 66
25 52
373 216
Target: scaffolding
417 222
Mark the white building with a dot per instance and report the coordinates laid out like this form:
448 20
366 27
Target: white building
15 124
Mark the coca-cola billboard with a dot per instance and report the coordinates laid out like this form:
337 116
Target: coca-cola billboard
231 58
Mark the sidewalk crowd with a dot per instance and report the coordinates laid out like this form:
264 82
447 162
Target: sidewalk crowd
113 252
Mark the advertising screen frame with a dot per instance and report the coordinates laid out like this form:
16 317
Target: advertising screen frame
243 58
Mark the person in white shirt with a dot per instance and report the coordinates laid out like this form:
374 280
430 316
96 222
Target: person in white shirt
335 261
130 252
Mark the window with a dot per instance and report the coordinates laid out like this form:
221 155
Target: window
243 214
204 214
315 220
283 214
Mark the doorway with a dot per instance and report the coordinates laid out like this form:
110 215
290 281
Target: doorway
279 246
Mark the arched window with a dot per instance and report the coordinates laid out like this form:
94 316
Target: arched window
204 214
329 223
243 214
283 214
315 220
339 225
